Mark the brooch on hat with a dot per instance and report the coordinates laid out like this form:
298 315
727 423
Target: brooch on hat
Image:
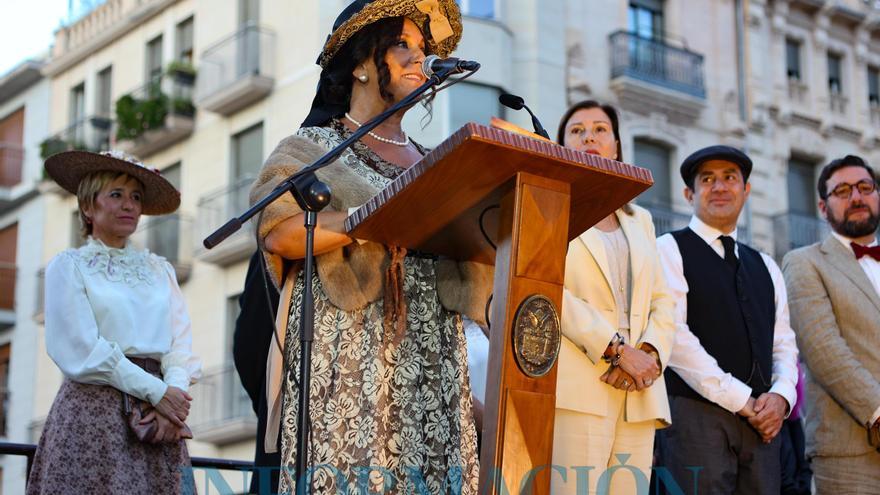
440 27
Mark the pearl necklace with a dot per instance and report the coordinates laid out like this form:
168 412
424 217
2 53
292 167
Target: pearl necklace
378 137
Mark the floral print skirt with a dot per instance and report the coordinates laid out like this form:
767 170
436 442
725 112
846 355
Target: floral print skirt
389 412
86 447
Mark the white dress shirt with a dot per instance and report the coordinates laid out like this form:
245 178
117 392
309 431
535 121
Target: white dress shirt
105 303
693 363
478 357
871 267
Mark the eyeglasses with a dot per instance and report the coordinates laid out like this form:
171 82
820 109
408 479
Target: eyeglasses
844 190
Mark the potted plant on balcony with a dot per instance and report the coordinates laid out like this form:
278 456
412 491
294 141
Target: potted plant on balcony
182 72
135 116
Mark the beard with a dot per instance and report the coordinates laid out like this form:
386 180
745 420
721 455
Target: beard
855 228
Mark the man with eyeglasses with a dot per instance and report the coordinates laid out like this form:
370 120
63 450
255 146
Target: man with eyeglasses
834 296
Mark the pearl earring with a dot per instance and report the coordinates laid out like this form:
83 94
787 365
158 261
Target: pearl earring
363 78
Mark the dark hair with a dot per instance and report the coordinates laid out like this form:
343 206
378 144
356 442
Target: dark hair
611 112
373 40
586 104
834 166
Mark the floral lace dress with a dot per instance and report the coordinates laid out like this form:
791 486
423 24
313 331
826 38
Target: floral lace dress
389 410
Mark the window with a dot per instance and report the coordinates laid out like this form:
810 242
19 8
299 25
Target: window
793 59
470 102
801 188
11 149
77 104
247 159
105 91
247 152
154 59
5 353
835 78
478 8
654 157
8 248
164 231
874 86
185 41
645 18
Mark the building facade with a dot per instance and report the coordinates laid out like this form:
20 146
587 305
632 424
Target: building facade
204 90
24 122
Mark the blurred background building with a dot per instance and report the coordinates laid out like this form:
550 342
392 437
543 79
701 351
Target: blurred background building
204 90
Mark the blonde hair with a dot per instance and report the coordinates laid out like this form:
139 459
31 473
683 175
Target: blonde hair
87 191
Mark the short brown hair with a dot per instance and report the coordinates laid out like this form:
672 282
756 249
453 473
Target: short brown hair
834 166
88 190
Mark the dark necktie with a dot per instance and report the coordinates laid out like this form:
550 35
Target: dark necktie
729 250
859 250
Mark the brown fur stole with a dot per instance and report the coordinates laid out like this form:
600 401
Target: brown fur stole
349 275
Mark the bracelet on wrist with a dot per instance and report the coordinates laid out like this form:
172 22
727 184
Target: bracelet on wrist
614 356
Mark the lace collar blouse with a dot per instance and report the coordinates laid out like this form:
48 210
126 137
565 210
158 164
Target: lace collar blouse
103 304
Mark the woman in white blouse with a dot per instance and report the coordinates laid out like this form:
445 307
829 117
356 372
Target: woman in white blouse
617 326
117 327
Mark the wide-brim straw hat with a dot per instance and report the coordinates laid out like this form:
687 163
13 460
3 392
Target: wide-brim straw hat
68 168
441 17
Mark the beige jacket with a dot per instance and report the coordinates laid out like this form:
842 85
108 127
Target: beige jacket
588 310
835 313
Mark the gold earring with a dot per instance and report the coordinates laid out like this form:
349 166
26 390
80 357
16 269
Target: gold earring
363 78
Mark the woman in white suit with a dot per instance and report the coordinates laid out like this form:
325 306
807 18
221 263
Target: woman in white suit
617 321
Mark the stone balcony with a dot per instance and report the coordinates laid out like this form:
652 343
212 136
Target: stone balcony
96 28
88 134
237 71
649 75
222 412
155 116
169 236
215 209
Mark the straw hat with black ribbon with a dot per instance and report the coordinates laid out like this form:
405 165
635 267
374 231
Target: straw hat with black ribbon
439 20
70 167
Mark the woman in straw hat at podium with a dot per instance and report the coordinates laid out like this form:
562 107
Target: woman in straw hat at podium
118 328
390 401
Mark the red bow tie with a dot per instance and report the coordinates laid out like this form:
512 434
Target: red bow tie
859 250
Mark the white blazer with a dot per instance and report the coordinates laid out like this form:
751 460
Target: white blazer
589 321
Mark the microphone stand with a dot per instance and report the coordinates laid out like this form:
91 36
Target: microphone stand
312 196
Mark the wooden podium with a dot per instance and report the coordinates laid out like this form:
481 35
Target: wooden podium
548 195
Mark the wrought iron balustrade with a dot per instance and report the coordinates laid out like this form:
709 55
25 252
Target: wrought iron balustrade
654 61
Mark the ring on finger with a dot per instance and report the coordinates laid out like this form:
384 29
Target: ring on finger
625 382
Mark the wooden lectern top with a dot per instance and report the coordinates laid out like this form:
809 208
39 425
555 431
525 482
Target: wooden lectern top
435 205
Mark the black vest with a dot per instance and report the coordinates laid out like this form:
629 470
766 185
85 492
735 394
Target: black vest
731 311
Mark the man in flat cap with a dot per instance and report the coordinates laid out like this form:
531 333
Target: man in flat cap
733 371
835 311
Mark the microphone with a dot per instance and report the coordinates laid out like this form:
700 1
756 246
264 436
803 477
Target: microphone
446 66
517 103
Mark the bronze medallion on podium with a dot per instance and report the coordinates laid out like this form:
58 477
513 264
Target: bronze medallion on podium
536 335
